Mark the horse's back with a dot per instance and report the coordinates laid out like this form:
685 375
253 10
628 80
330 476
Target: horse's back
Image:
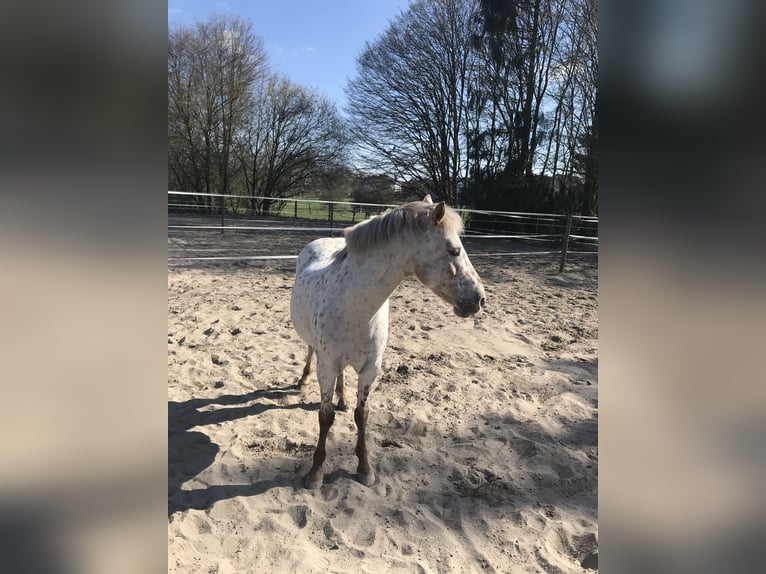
319 253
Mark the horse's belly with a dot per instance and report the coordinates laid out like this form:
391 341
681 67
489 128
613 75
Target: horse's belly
335 334
301 311
311 273
352 341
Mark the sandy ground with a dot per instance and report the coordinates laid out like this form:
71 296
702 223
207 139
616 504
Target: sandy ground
482 431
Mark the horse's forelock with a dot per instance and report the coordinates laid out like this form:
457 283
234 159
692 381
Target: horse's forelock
452 221
403 222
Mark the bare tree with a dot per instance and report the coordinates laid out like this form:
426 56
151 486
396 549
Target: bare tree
290 137
516 46
571 155
407 100
532 96
211 68
235 129
497 95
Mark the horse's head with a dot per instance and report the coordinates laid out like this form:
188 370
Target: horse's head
442 264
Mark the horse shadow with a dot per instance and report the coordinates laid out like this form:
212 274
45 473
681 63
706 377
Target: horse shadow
191 451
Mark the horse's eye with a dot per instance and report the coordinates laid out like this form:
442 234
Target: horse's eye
454 251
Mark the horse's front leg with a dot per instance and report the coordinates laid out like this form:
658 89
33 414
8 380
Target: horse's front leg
366 378
326 378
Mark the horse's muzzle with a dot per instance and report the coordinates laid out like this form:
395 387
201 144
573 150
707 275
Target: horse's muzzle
467 308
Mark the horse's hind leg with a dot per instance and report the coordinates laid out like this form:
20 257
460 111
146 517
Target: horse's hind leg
366 377
326 417
340 392
307 367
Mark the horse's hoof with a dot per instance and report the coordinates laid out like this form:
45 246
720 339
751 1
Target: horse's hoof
313 480
342 407
367 479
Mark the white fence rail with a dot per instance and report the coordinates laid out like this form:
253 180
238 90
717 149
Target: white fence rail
194 212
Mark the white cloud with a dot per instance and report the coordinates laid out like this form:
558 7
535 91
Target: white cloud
276 49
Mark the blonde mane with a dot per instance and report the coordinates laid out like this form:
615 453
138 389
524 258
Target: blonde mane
403 223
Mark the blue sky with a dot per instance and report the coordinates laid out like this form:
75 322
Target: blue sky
313 42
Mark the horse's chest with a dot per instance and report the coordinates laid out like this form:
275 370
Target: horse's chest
346 328
351 322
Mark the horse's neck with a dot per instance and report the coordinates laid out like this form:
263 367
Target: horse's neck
375 277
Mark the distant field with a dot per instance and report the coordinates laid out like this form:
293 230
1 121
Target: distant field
319 211
307 209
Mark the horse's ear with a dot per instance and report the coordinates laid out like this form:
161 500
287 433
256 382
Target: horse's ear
428 199
438 213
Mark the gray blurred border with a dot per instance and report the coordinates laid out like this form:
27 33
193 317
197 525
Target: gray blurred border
82 241
682 295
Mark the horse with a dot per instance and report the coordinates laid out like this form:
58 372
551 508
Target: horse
339 302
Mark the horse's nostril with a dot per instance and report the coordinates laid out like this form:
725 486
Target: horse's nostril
481 302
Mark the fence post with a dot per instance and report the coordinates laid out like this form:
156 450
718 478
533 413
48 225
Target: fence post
330 209
223 209
296 208
565 243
